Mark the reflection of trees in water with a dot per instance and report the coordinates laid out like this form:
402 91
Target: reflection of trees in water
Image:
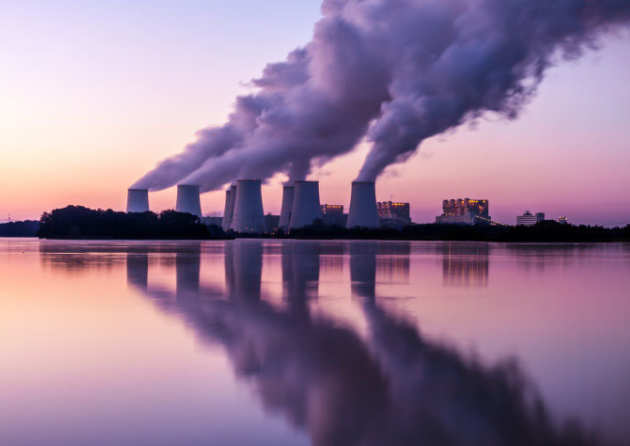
394 387
464 264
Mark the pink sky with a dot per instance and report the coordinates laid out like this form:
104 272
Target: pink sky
91 103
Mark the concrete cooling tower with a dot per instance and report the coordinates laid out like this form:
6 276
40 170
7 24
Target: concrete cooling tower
363 211
288 192
188 199
228 213
137 200
306 206
248 215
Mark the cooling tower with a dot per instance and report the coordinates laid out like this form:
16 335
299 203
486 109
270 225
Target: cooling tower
288 193
306 207
363 211
138 200
248 217
228 213
188 200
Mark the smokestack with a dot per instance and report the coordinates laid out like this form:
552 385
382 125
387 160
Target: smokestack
137 200
228 214
363 211
306 208
188 200
288 192
248 215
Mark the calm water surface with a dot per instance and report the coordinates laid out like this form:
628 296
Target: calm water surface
325 343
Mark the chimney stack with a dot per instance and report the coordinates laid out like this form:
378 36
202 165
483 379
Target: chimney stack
363 211
306 207
228 214
188 200
137 200
288 192
248 215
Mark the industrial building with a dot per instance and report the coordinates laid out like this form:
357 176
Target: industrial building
529 219
464 211
332 215
394 211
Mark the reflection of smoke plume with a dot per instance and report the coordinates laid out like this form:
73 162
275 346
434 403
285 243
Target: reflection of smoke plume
396 387
405 69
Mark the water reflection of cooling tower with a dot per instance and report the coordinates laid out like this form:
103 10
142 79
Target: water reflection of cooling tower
300 270
363 269
391 386
187 272
465 265
243 269
138 270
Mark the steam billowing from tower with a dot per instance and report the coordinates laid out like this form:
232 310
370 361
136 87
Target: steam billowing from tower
188 199
248 208
137 200
288 193
363 212
394 72
306 204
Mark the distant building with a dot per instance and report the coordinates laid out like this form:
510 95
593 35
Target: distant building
272 222
529 219
563 220
332 215
464 212
394 212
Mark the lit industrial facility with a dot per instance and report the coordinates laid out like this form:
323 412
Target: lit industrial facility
394 211
464 212
332 215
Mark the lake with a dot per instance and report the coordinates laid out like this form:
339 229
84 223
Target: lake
266 342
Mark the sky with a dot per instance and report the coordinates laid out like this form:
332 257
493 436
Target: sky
94 94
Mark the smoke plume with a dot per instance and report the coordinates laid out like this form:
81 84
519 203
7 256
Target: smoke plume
393 72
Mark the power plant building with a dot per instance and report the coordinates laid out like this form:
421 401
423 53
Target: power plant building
529 219
332 215
396 211
464 212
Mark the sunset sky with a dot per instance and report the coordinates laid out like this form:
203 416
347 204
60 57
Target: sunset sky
94 94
